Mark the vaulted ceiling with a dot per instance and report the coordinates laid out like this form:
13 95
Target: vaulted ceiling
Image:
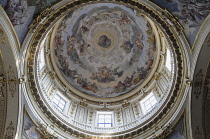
104 55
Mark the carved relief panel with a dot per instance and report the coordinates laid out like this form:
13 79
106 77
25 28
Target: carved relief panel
118 117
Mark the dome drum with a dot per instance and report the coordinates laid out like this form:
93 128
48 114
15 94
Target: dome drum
84 66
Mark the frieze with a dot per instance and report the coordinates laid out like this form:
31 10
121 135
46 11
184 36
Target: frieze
154 15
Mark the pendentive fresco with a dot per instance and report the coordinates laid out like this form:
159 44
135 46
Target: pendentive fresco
30 129
191 14
22 12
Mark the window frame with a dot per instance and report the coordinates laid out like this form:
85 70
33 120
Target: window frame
104 123
60 101
151 101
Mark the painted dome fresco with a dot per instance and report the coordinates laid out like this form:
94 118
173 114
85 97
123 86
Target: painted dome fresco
105 50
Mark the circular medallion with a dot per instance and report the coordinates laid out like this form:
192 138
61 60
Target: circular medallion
104 41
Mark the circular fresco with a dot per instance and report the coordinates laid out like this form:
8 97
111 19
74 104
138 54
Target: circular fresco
105 50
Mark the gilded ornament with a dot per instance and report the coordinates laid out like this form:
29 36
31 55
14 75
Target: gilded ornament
48 52
118 116
126 104
172 20
22 79
2 36
207 85
44 72
40 18
83 103
136 110
73 108
198 83
105 104
52 90
2 80
188 81
2 83
47 131
9 131
52 75
12 81
162 132
157 76
198 133
163 54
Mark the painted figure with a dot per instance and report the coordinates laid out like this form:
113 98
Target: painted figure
16 11
127 46
120 87
104 41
